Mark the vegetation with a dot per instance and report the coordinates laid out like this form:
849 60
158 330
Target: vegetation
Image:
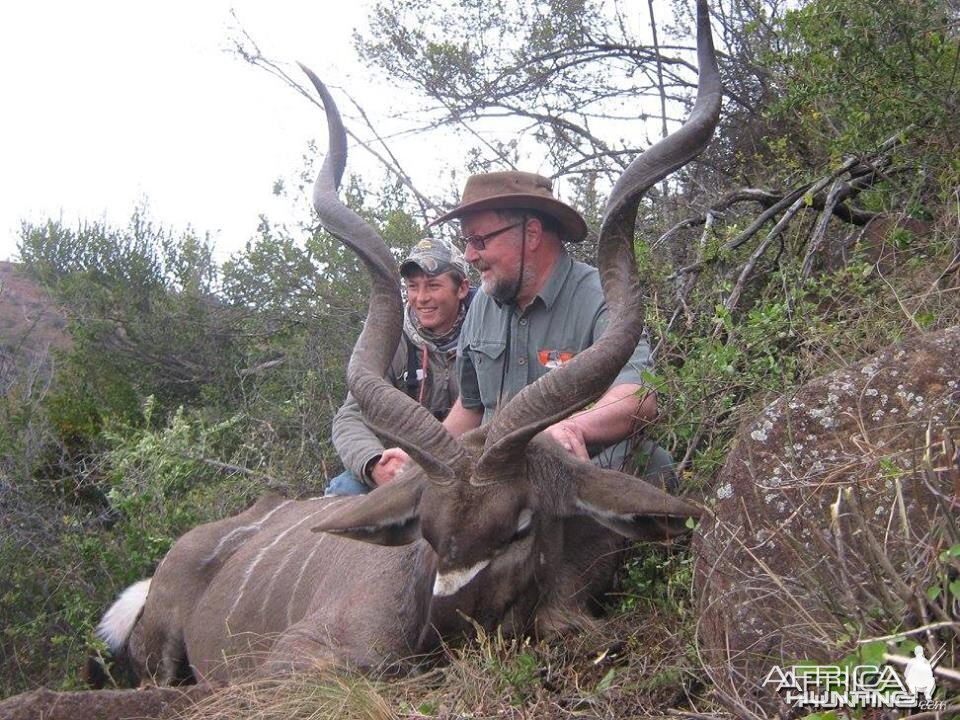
188 390
822 225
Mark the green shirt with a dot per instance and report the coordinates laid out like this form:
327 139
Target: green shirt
567 315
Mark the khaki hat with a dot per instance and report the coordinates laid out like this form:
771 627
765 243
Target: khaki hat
434 256
514 190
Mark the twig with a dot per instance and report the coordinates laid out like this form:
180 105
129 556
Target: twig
905 633
257 59
773 202
872 544
227 467
801 200
881 558
951 675
734 297
687 285
682 225
691 448
788 201
808 193
691 716
660 85
753 229
396 167
244 372
951 454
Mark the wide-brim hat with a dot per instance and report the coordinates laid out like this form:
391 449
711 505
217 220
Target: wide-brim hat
515 190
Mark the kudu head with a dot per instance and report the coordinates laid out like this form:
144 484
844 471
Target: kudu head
492 502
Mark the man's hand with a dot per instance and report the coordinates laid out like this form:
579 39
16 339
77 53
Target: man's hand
389 465
570 437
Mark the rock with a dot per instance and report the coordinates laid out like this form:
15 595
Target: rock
887 242
825 525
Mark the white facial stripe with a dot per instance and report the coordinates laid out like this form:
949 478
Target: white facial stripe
451 582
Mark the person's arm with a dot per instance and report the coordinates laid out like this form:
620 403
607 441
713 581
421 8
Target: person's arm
616 414
611 419
625 406
461 419
361 451
467 411
393 460
358 447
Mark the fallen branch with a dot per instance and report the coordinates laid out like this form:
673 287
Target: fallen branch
906 633
227 467
256 369
946 673
820 231
809 195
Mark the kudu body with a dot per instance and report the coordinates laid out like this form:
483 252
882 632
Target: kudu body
498 527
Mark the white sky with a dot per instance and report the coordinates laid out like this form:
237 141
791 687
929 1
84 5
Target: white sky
110 103
107 103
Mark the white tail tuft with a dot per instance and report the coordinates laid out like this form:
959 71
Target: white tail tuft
118 622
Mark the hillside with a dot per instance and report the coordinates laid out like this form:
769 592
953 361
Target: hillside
30 322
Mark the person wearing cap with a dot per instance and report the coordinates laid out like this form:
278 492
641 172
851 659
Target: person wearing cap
438 294
536 309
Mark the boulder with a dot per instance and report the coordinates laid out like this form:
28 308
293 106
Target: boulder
829 517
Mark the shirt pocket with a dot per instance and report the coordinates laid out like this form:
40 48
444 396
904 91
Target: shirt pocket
488 359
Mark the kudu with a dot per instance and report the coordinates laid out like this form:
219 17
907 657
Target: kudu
499 527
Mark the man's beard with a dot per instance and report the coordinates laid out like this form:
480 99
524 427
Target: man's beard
501 289
506 290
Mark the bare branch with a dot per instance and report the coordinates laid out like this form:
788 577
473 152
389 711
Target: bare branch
389 162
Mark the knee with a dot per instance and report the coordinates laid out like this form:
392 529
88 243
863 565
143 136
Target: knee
346 483
657 467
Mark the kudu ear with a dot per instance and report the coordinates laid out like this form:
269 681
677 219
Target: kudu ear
629 506
389 516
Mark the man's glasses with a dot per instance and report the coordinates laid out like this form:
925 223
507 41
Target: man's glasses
479 242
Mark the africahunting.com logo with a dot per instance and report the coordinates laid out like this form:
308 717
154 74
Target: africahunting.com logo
867 685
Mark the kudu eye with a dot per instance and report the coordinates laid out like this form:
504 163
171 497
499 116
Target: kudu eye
523 523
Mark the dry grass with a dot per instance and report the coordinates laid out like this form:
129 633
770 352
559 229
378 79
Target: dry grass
304 696
634 665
